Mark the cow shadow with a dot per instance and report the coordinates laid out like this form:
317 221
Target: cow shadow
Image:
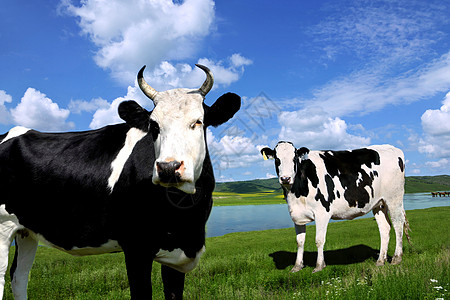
347 256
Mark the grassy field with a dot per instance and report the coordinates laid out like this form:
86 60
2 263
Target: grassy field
255 265
268 197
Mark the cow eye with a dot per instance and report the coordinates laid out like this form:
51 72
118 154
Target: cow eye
197 123
154 129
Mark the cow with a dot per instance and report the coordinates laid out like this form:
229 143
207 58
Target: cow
143 187
323 185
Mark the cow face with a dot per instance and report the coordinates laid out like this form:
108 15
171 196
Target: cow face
287 158
178 125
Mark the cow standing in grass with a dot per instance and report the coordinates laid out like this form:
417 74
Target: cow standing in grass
143 187
323 185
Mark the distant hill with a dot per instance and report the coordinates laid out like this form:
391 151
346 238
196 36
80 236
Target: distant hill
418 184
413 184
250 186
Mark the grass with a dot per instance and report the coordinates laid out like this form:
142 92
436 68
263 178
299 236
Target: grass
255 265
229 198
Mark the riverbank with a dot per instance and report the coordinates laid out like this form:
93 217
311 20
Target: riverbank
268 191
255 265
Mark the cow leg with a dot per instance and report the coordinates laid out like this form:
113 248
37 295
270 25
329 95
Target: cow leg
8 228
321 232
173 281
382 218
398 220
300 230
26 247
139 270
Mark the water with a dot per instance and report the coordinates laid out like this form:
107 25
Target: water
227 219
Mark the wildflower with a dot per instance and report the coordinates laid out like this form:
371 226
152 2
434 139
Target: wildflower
433 280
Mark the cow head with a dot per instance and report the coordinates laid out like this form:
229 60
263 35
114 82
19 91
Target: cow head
178 125
287 158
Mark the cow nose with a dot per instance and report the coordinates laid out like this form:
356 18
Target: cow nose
170 171
285 179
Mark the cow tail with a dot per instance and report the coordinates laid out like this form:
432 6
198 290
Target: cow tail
407 229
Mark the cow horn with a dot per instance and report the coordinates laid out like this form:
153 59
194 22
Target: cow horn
145 87
209 81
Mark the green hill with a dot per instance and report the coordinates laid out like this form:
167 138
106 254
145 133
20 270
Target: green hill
418 184
413 184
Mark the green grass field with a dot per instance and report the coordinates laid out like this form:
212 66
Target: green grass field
255 265
228 198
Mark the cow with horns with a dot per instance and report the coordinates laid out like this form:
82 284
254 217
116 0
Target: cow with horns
323 185
143 187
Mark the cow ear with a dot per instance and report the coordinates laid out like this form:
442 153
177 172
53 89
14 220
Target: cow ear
134 115
268 153
222 110
303 153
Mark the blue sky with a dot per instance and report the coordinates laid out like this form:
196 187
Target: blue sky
322 74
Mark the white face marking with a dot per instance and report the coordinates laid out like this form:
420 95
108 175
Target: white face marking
179 114
178 260
285 155
15 132
134 135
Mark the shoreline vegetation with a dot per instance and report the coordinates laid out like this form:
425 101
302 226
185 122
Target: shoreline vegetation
268 191
256 264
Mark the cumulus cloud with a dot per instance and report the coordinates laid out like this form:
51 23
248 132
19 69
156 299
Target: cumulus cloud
232 151
436 128
107 113
37 111
168 76
315 129
129 34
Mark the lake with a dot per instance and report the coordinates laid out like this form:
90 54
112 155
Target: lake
227 219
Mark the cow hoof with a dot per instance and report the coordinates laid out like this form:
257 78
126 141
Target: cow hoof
380 263
319 268
296 268
396 260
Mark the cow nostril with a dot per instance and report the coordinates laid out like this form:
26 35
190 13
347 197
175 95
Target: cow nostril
285 179
179 167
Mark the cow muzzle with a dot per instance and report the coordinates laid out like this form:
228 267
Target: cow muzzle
170 171
286 180
173 173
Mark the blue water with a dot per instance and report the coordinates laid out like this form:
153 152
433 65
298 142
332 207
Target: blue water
227 219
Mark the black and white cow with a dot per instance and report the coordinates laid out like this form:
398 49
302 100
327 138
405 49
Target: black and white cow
142 187
324 185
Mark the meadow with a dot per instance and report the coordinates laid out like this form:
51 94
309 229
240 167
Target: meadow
255 265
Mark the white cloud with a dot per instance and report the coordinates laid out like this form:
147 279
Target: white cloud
231 151
107 113
436 128
132 33
79 106
5 117
168 76
371 89
440 164
315 129
37 111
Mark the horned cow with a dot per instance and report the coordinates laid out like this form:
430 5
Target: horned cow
143 187
323 185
